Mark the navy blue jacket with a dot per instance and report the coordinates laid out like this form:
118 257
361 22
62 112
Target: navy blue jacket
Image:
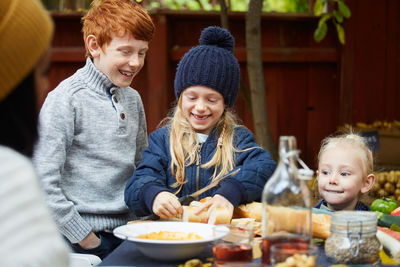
153 174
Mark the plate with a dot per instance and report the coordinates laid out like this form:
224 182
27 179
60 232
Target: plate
168 250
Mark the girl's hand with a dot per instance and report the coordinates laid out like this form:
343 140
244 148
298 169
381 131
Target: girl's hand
166 205
214 202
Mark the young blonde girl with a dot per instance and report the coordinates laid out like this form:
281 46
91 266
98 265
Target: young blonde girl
201 140
345 172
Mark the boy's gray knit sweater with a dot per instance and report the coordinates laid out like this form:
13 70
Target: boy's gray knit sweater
92 135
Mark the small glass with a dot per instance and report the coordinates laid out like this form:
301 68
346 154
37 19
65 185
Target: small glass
236 247
293 254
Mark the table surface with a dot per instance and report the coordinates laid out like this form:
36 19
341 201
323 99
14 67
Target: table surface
127 254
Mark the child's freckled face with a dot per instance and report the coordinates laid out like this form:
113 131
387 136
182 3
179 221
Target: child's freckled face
340 176
203 107
122 59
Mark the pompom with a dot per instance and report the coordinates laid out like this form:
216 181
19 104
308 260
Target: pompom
218 37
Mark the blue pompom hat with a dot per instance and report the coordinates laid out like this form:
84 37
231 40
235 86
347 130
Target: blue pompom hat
211 64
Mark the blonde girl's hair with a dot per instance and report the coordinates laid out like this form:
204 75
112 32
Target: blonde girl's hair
355 141
184 145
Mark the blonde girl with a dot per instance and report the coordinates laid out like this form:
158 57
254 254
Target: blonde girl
345 172
201 140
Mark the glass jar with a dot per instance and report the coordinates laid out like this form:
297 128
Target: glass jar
286 201
353 238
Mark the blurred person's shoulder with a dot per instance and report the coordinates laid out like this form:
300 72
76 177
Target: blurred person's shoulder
11 160
15 169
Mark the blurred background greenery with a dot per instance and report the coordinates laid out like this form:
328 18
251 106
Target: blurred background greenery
195 5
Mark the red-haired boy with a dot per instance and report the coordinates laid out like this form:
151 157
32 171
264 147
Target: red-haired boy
93 128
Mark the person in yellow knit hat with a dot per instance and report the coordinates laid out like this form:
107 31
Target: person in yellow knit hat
29 236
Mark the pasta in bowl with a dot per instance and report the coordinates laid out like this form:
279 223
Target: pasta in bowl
168 241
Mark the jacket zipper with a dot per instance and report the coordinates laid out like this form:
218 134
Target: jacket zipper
198 161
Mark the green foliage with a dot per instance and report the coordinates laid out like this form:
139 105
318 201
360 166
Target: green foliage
239 5
286 5
203 5
322 29
235 5
319 7
344 9
340 33
337 16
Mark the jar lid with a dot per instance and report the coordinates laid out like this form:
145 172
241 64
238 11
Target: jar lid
354 216
344 221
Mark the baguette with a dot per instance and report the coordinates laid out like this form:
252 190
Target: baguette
295 221
189 216
286 219
217 216
251 210
321 225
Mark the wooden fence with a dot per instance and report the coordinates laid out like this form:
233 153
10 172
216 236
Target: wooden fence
311 88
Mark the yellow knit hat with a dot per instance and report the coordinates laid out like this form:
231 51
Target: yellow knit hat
26 29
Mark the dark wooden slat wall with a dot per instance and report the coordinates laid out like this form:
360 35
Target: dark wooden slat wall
370 62
311 88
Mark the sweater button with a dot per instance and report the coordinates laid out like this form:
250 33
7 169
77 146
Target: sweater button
115 99
122 115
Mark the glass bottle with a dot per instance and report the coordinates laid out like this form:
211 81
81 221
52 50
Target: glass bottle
353 238
286 201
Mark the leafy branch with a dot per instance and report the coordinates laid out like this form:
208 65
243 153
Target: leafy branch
340 12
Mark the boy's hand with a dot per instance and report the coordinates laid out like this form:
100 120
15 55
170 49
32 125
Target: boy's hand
166 205
214 202
90 241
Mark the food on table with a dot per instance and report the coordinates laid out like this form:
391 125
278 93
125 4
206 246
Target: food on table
217 216
388 240
368 250
251 213
392 233
387 220
395 212
168 235
248 223
298 260
250 210
189 215
320 222
385 259
384 205
286 219
353 238
195 263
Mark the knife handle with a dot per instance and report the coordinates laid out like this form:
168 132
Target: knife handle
185 200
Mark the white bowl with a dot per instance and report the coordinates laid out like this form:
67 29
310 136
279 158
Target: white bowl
168 250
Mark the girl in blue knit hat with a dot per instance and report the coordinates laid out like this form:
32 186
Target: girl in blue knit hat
201 140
